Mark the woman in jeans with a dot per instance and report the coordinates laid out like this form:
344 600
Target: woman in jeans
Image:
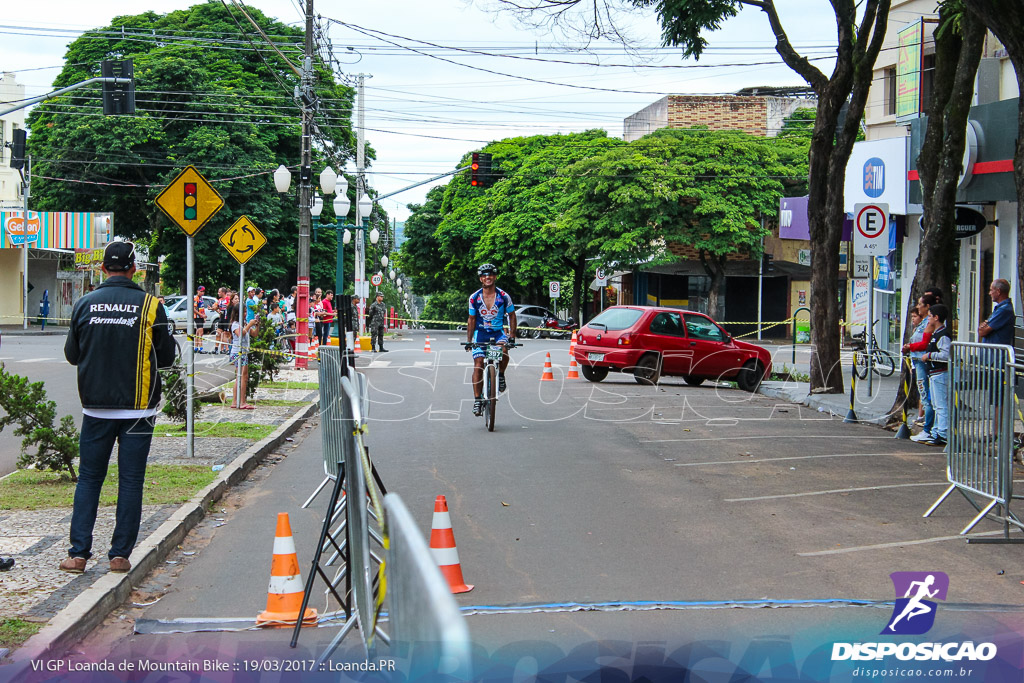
918 343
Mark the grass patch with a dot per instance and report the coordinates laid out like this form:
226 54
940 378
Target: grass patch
165 484
241 430
276 402
310 386
14 632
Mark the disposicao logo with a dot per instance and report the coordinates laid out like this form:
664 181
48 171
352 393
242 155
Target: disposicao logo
874 177
914 614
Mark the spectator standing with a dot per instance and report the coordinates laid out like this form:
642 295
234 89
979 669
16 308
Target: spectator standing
916 348
199 317
998 329
936 360
118 338
377 319
327 319
240 356
355 315
223 326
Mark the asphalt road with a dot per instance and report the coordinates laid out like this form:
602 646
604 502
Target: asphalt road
611 493
40 358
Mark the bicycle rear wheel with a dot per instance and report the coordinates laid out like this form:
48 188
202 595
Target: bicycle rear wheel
884 363
860 364
491 401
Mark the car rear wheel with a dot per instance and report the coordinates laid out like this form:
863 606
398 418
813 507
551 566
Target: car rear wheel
750 376
693 381
594 373
647 370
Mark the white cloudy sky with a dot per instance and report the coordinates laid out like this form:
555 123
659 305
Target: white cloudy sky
423 114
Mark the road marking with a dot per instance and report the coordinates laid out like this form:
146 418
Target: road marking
746 461
34 360
897 544
829 491
770 436
418 364
379 364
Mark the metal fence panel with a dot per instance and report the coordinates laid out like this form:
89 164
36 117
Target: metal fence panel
360 567
979 456
421 609
335 412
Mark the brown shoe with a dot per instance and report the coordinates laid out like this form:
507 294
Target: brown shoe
120 565
74 565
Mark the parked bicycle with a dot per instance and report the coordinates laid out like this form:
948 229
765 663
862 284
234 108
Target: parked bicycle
492 356
883 363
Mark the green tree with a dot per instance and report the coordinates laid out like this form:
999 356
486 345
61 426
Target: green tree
205 96
860 31
704 189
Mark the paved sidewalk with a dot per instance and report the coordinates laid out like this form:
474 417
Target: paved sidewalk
71 605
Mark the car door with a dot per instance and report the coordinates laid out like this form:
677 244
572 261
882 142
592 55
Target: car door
666 334
713 353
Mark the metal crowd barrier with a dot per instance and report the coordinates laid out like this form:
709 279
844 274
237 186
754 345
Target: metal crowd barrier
981 432
421 610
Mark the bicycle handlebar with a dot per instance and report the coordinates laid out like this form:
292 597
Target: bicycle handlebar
484 345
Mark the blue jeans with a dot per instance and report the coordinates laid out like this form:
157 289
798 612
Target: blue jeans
95 446
921 374
939 388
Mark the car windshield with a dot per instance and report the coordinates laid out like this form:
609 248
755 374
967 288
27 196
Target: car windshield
616 318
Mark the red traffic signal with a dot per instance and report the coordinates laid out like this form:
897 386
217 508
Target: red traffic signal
474 168
191 211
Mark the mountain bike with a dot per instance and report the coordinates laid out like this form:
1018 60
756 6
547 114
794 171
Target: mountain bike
882 362
492 356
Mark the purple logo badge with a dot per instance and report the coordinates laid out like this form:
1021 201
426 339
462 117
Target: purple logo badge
914 612
874 177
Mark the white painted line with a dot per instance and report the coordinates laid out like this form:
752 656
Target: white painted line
824 493
463 363
423 363
747 461
379 364
896 544
35 360
770 436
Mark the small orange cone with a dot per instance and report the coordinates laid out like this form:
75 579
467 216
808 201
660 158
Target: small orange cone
572 344
314 349
573 374
548 375
426 347
442 547
284 596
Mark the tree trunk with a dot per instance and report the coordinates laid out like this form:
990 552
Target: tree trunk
714 266
1004 18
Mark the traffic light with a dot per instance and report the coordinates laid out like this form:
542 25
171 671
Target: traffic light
191 211
18 148
474 170
766 264
118 98
480 170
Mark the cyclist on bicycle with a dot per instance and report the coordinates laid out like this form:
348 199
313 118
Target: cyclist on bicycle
488 307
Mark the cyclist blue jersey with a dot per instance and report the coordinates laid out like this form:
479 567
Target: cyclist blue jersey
490 319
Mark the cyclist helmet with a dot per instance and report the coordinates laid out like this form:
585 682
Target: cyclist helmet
487 269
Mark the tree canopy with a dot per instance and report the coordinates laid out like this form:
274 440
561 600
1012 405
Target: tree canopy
209 92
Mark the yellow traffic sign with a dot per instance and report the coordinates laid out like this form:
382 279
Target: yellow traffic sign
189 201
243 239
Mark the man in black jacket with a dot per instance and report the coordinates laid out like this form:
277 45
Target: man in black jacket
119 336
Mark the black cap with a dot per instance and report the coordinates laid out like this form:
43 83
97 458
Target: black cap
119 256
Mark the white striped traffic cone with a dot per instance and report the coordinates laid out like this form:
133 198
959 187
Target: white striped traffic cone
442 547
548 375
284 596
573 373
426 347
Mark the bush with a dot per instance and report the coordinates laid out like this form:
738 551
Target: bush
448 306
264 359
25 405
175 386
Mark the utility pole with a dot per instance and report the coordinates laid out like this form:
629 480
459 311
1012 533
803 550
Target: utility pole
305 180
26 182
360 276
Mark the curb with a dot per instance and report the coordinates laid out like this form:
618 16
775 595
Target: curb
90 608
798 394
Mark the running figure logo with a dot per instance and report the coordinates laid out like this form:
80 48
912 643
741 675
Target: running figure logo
914 612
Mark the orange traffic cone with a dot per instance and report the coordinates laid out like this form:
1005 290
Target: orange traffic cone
442 547
573 374
572 344
284 597
548 375
314 349
426 347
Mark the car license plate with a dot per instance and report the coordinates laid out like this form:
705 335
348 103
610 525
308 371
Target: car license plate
595 356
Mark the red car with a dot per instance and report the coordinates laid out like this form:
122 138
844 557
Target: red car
650 342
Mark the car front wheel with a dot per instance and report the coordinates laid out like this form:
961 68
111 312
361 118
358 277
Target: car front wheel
693 381
594 373
750 376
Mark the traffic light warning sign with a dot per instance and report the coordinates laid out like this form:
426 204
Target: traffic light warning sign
189 201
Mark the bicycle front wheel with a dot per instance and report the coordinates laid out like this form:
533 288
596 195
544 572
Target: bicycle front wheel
491 401
884 363
860 364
